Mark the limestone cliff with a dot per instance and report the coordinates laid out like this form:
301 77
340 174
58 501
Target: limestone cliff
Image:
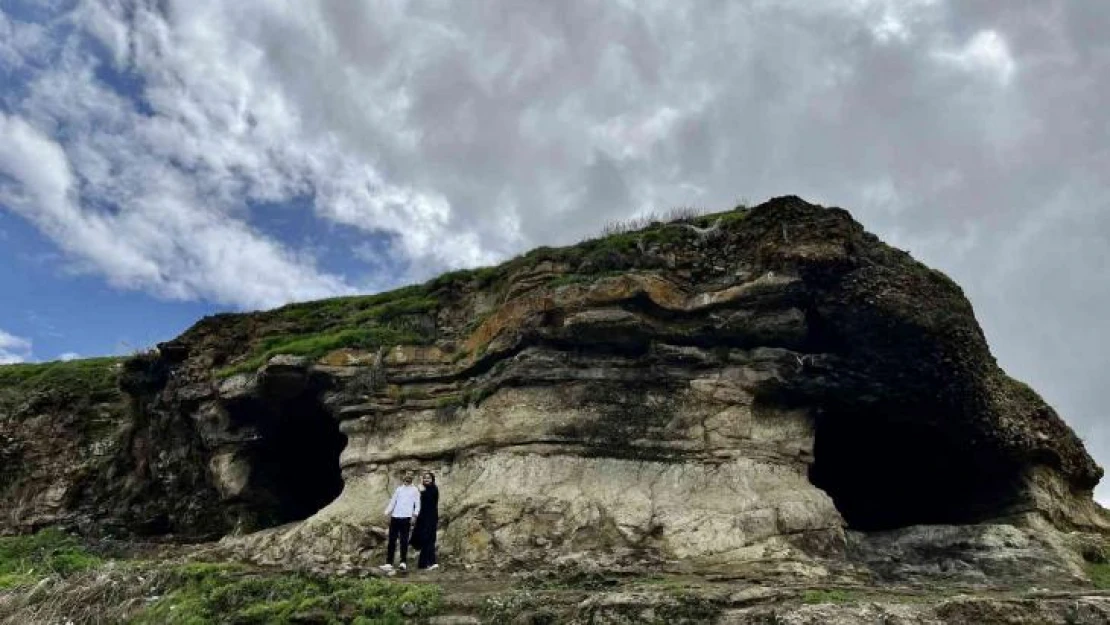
750 386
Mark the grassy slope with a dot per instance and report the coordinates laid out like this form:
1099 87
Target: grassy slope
80 586
52 578
24 560
91 377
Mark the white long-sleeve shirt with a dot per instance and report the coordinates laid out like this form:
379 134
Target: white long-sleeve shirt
405 503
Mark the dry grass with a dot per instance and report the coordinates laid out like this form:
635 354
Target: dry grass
110 594
674 215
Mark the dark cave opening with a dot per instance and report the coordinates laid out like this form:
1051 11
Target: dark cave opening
295 460
885 474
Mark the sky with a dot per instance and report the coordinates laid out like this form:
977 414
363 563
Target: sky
165 159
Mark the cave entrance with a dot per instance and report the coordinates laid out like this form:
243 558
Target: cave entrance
296 463
885 474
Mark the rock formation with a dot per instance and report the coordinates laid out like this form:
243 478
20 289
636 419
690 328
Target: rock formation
759 388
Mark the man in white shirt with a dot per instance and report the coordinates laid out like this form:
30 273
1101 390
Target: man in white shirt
403 509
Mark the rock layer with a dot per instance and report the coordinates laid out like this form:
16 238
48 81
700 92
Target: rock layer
757 387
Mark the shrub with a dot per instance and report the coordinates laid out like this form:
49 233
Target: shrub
26 559
228 593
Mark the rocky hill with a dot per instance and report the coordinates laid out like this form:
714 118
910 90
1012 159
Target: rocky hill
768 393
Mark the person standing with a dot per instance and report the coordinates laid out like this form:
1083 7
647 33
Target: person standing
424 536
403 507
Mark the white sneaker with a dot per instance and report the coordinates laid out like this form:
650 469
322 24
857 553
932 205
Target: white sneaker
433 567
403 567
387 567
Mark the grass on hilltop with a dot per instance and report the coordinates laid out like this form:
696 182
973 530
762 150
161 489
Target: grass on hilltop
312 329
94 377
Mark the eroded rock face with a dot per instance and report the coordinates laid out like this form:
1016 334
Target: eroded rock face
759 393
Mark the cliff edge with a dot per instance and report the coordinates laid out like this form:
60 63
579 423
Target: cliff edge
762 386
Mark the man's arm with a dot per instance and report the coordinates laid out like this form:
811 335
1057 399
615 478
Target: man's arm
416 511
392 502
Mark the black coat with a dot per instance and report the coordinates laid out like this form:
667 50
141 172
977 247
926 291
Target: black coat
425 531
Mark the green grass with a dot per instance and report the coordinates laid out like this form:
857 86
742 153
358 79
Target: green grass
311 329
205 593
727 218
451 401
1100 575
24 560
313 346
95 377
396 308
822 595
339 310
618 251
481 277
662 582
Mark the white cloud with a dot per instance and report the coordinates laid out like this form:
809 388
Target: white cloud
159 236
13 349
67 356
986 52
18 40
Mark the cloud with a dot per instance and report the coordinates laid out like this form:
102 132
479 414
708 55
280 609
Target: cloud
13 349
985 52
67 356
972 133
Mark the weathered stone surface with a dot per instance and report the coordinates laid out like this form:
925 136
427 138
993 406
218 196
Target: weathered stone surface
792 394
1092 610
973 554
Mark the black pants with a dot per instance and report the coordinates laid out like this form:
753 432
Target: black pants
398 527
427 552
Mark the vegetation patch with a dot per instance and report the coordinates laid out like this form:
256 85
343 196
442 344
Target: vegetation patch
689 608
407 315
619 247
411 305
338 311
505 608
1100 575
312 329
475 396
480 277
664 582
92 377
567 579
227 593
313 346
828 595
24 560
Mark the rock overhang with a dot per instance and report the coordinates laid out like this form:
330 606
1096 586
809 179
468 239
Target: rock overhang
725 356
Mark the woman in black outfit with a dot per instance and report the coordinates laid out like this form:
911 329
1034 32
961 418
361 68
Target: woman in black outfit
424 535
